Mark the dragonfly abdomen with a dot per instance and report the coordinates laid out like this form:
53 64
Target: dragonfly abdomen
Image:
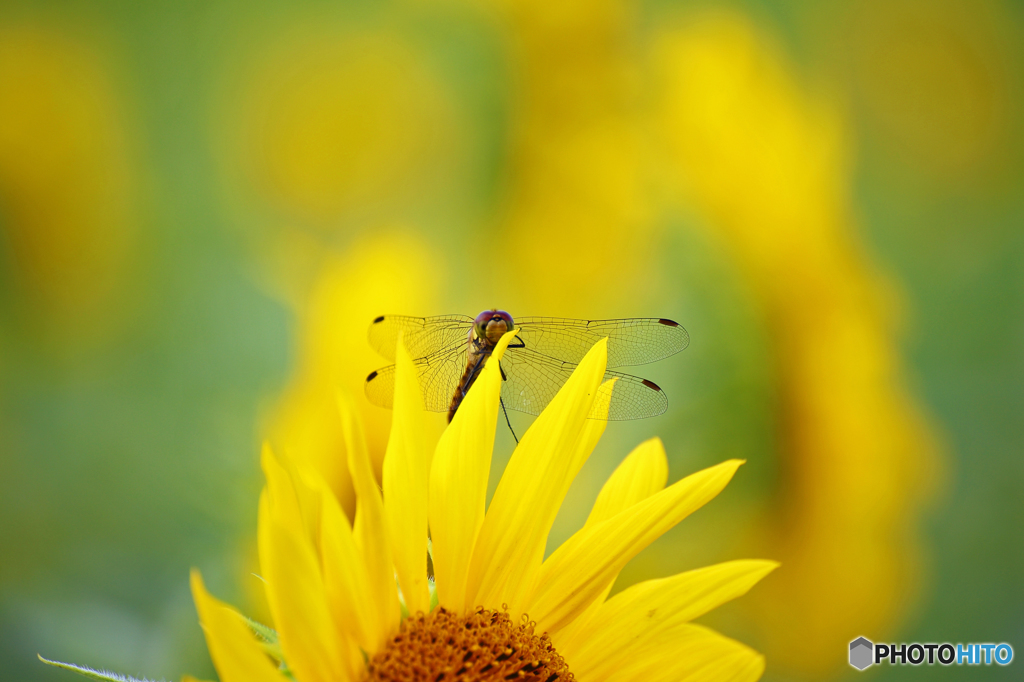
475 359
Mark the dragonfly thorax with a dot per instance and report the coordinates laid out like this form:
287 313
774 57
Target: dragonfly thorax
490 325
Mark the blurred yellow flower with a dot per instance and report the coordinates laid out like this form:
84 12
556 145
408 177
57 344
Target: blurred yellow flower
577 157
331 584
707 119
391 271
330 126
67 213
767 168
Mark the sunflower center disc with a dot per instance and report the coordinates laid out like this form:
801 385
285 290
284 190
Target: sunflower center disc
480 646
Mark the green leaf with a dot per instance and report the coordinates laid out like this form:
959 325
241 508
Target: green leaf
267 634
89 672
433 594
269 642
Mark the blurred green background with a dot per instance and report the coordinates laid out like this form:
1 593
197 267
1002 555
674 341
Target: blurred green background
203 205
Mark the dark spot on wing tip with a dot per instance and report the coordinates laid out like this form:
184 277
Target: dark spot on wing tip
371 376
378 319
668 323
650 384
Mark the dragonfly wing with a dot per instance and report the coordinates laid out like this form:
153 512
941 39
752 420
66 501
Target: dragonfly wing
635 341
532 380
634 398
439 375
422 335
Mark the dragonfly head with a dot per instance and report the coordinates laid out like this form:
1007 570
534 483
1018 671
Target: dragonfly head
492 324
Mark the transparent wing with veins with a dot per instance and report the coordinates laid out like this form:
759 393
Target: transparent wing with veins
634 341
532 380
535 372
421 335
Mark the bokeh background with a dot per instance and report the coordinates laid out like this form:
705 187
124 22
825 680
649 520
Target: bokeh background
203 205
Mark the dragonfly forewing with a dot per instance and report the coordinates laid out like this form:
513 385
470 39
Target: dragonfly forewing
421 336
635 341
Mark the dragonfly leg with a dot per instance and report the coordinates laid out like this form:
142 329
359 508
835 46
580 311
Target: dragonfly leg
517 343
507 421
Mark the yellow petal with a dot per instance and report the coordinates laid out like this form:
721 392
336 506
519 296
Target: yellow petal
370 531
590 434
458 482
691 594
592 431
576 573
686 652
294 503
406 480
657 606
235 651
643 473
295 591
511 542
346 585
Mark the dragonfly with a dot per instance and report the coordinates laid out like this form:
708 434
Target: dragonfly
449 352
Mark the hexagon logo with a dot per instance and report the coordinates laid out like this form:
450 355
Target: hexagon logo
861 650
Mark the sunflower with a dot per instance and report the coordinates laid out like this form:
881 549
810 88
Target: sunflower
475 599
